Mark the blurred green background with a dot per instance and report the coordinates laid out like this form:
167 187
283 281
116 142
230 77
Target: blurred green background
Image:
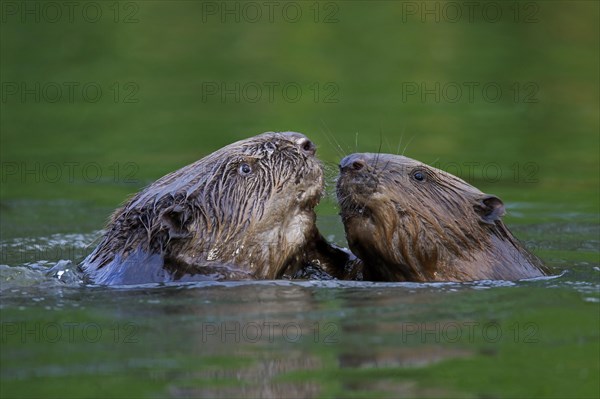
101 98
180 79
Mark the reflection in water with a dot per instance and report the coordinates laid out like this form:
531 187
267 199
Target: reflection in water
257 380
272 338
401 357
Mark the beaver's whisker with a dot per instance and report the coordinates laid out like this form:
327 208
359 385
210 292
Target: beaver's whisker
387 143
379 149
407 144
329 164
332 140
398 146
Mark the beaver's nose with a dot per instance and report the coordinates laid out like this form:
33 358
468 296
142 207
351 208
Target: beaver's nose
352 162
306 146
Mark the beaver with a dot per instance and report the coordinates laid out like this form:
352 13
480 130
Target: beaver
408 221
245 211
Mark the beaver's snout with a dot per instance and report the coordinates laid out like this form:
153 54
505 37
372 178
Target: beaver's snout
302 142
352 162
306 146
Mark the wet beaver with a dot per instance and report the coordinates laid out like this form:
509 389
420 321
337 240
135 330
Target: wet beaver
245 211
408 221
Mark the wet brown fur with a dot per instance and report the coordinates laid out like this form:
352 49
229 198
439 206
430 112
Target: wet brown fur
211 219
438 229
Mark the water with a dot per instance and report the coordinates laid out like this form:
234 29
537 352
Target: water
302 339
67 164
298 338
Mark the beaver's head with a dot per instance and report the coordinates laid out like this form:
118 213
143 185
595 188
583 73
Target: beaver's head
405 219
249 204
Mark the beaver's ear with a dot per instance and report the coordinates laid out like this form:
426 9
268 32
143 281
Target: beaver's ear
176 221
489 208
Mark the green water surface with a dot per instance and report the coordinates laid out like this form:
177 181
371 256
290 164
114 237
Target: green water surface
506 97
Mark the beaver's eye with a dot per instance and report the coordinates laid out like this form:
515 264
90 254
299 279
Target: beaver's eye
418 175
245 169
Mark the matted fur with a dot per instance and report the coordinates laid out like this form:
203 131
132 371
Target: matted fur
213 218
436 229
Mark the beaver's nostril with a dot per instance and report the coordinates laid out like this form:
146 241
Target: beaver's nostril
358 165
352 162
307 146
